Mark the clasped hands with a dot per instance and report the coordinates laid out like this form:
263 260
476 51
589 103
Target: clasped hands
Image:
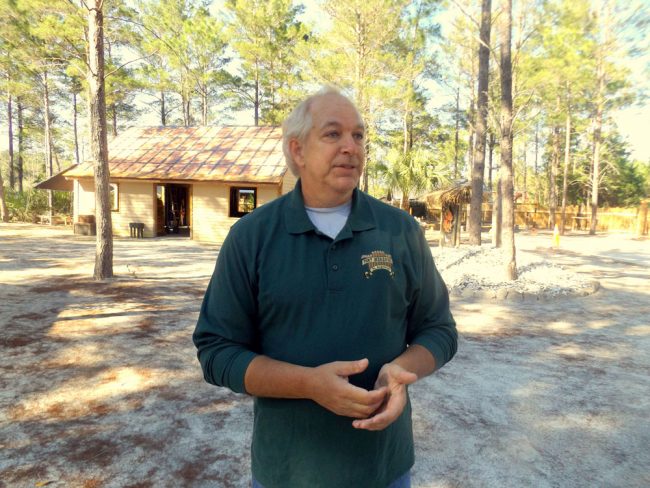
373 410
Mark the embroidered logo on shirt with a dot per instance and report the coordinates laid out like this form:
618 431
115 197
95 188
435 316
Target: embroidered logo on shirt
377 260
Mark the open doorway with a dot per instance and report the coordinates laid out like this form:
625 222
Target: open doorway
173 210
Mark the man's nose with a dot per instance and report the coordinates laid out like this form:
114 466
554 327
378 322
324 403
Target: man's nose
349 144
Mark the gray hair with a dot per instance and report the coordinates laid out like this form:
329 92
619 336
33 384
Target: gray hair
299 122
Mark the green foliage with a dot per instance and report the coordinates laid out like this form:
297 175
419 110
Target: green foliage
199 62
643 169
184 47
623 182
266 35
412 172
28 205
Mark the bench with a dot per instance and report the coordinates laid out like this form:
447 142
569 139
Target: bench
136 229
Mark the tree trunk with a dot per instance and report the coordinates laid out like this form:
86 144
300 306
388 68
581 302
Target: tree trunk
555 162
55 157
114 119
405 129
595 176
186 110
567 163
525 166
538 189
475 211
204 107
47 144
536 167
185 101
506 170
98 142
457 131
75 123
163 113
497 214
552 178
257 99
642 220
471 118
21 144
4 214
471 138
491 145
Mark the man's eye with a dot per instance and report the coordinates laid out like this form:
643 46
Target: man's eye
359 136
333 134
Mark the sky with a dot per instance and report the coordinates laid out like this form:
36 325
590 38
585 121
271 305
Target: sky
633 122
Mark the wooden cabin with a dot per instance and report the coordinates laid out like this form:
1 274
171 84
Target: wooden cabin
193 181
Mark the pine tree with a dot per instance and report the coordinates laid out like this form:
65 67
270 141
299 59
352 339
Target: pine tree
507 176
475 211
266 36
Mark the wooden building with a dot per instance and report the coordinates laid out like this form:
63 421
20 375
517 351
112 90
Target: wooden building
194 181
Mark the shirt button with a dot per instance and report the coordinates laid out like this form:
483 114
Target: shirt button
335 267
333 247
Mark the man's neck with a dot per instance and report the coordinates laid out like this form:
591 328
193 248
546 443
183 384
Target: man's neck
315 200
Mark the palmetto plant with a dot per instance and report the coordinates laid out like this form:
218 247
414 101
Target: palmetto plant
413 172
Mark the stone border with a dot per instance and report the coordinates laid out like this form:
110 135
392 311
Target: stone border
518 296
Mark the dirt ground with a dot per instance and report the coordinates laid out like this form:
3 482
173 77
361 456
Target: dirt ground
100 386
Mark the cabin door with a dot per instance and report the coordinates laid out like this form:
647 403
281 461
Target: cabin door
172 210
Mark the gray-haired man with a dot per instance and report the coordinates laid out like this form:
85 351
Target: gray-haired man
324 305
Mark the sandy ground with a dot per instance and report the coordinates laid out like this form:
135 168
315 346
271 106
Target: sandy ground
100 387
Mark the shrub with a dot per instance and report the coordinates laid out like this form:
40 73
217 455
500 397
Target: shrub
28 205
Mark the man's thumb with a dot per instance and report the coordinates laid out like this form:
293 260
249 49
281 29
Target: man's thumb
348 368
407 378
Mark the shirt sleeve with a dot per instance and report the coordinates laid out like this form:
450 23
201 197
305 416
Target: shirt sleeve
431 323
225 333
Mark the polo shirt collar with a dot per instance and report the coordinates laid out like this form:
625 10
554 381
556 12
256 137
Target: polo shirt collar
361 216
296 218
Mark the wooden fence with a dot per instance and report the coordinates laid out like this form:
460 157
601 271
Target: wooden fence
531 216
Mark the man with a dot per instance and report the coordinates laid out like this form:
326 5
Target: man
324 305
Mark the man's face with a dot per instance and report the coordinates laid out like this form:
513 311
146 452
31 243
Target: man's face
330 160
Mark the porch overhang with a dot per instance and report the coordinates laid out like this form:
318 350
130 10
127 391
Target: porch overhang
56 182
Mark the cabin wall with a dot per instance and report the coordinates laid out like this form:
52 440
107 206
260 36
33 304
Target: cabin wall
84 198
135 204
288 182
209 205
210 209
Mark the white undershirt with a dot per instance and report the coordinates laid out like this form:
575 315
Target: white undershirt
331 220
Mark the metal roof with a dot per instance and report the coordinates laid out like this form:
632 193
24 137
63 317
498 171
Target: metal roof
226 153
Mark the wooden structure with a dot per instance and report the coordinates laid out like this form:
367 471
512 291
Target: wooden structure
194 181
450 202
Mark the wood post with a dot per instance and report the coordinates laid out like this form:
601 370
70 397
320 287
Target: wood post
642 220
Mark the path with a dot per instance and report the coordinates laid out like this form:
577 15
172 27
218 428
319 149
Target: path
99 383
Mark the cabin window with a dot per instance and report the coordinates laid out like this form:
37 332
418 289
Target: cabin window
114 197
242 201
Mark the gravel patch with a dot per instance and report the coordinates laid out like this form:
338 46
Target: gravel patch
480 271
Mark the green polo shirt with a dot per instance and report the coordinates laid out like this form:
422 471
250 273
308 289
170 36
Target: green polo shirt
283 289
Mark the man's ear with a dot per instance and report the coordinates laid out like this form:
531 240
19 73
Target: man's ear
295 148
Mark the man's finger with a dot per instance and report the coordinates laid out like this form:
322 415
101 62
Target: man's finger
364 398
378 422
349 368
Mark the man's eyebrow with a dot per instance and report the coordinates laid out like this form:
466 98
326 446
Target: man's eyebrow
334 123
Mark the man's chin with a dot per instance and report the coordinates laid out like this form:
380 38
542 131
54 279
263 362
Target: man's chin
347 183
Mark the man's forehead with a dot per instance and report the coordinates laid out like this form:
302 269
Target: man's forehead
334 110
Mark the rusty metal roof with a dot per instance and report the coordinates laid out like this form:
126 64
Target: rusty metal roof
226 153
